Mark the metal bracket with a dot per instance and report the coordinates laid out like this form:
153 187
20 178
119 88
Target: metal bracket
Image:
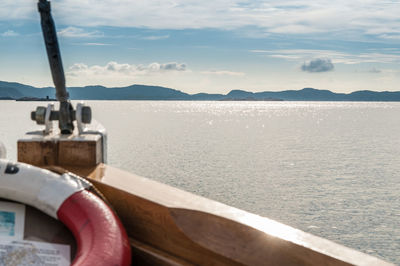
45 116
47 122
3 151
83 116
95 128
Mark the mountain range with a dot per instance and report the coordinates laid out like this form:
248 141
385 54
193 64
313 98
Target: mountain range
13 90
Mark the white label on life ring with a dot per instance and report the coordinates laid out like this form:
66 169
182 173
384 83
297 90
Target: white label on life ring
37 187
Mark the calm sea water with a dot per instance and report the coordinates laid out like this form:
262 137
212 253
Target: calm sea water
331 169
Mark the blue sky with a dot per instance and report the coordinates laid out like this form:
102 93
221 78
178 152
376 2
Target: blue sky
209 46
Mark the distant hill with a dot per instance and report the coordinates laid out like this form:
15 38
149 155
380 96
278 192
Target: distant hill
134 92
310 94
17 90
13 90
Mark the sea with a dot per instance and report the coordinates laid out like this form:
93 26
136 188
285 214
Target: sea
328 168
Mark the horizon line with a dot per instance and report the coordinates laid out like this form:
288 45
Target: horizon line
244 90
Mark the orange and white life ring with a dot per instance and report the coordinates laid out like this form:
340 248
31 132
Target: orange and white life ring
100 236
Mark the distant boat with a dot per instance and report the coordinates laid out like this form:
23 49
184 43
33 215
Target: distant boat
35 99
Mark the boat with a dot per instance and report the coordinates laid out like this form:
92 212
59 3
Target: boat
35 99
164 225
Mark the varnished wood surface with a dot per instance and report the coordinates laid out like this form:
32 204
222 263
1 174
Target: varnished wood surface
83 151
187 229
146 255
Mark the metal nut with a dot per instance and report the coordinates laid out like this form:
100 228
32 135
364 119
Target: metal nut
86 114
40 115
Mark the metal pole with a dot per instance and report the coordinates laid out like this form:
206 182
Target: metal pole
57 71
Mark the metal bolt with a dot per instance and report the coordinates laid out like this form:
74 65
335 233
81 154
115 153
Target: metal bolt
39 116
86 114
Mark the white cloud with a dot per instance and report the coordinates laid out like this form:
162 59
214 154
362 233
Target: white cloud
223 73
9 33
73 32
374 70
296 29
96 44
389 56
393 36
318 65
172 66
18 9
155 37
378 18
116 69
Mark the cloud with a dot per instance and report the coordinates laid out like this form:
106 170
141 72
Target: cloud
117 69
223 73
96 44
9 33
155 37
392 36
318 65
73 32
18 9
172 66
303 54
295 29
387 56
350 18
374 70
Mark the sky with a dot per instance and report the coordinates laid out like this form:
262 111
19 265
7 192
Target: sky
209 46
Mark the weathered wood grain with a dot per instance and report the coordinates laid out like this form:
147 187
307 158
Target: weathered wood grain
200 231
82 151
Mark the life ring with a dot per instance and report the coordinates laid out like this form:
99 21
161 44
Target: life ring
100 236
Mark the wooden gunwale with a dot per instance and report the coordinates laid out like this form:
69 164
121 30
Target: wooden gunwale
174 227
